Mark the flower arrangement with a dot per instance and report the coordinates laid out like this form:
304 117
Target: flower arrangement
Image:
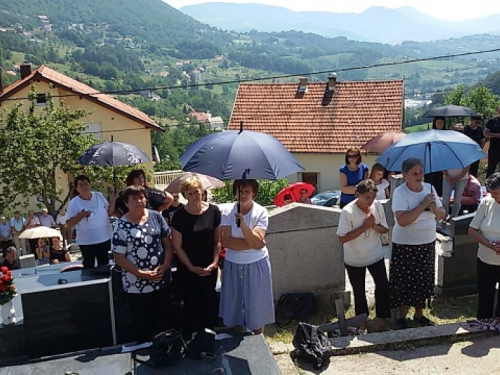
7 288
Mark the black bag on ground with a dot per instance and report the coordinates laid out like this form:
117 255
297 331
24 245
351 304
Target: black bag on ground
167 348
295 306
202 346
311 345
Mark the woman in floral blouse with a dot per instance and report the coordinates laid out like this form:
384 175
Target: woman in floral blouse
142 248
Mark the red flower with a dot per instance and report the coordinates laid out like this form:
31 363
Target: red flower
4 269
3 288
7 278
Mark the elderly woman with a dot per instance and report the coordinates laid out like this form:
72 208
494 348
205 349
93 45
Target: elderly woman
351 174
246 293
157 200
142 248
485 229
89 212
416 208
361 224
196 241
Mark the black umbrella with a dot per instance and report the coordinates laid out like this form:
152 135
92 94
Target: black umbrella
451 110
113 154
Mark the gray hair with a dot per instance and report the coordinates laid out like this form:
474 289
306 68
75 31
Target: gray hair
410 163
493 182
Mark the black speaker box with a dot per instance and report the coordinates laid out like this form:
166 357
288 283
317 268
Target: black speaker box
67 318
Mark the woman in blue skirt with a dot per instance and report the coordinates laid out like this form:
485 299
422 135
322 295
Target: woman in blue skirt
246 292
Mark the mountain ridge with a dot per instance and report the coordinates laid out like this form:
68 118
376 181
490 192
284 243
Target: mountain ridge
406 23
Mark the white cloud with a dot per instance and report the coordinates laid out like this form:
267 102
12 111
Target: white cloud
444 9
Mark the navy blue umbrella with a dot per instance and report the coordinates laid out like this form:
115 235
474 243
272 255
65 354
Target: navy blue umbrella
232 155
439 150
112 154
451 110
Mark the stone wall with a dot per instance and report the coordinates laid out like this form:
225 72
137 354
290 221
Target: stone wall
305 253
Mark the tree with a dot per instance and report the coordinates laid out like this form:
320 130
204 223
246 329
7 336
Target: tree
484 101
457 96
36 143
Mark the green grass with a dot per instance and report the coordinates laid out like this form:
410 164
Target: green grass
443 311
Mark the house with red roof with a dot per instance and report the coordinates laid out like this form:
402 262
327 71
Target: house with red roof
318 121
107 117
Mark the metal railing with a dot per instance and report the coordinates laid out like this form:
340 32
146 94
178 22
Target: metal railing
163 179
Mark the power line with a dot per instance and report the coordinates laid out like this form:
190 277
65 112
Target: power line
257 79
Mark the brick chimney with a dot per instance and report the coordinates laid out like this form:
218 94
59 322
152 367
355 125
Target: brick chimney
332 81
302 85
25 70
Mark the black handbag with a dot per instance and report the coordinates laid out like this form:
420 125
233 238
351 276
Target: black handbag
202 346
167 349
295 306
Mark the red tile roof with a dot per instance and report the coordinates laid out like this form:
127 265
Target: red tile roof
44 73
319 121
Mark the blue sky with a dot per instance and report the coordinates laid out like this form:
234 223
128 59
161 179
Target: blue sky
440 9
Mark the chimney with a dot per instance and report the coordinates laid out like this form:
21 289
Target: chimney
302 85
332 81
25 70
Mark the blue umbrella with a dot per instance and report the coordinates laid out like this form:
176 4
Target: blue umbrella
232 155
439 150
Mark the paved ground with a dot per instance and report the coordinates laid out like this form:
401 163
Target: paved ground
472 357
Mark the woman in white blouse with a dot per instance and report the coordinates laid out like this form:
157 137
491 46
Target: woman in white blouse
485 229
361 225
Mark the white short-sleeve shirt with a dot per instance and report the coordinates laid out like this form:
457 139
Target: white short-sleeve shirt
365 249
94 229
487 221
423 229
256 217
381 189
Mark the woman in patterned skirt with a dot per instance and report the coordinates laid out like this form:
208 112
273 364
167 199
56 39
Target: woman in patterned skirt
416 208
142 248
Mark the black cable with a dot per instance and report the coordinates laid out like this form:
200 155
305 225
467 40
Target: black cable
256 79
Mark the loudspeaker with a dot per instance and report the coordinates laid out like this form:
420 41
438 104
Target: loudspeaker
68 317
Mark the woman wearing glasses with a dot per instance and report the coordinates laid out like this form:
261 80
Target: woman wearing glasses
351 174
361 224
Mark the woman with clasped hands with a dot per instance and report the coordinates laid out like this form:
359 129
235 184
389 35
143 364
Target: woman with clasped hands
196 240
143 249
246 292
485 229
416 208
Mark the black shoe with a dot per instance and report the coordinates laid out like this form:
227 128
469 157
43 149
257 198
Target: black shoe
423 321
401 323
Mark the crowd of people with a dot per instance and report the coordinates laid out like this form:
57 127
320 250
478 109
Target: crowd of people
417 207
155 235
45 250
158 241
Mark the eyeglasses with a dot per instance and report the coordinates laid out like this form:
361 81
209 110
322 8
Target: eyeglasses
352 155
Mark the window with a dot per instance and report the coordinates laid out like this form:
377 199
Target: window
311 178
94 128
41 99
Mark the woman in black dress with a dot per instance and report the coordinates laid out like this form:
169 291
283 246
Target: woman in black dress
196 241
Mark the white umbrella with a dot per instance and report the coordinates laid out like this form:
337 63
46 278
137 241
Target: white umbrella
40 232
208 182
